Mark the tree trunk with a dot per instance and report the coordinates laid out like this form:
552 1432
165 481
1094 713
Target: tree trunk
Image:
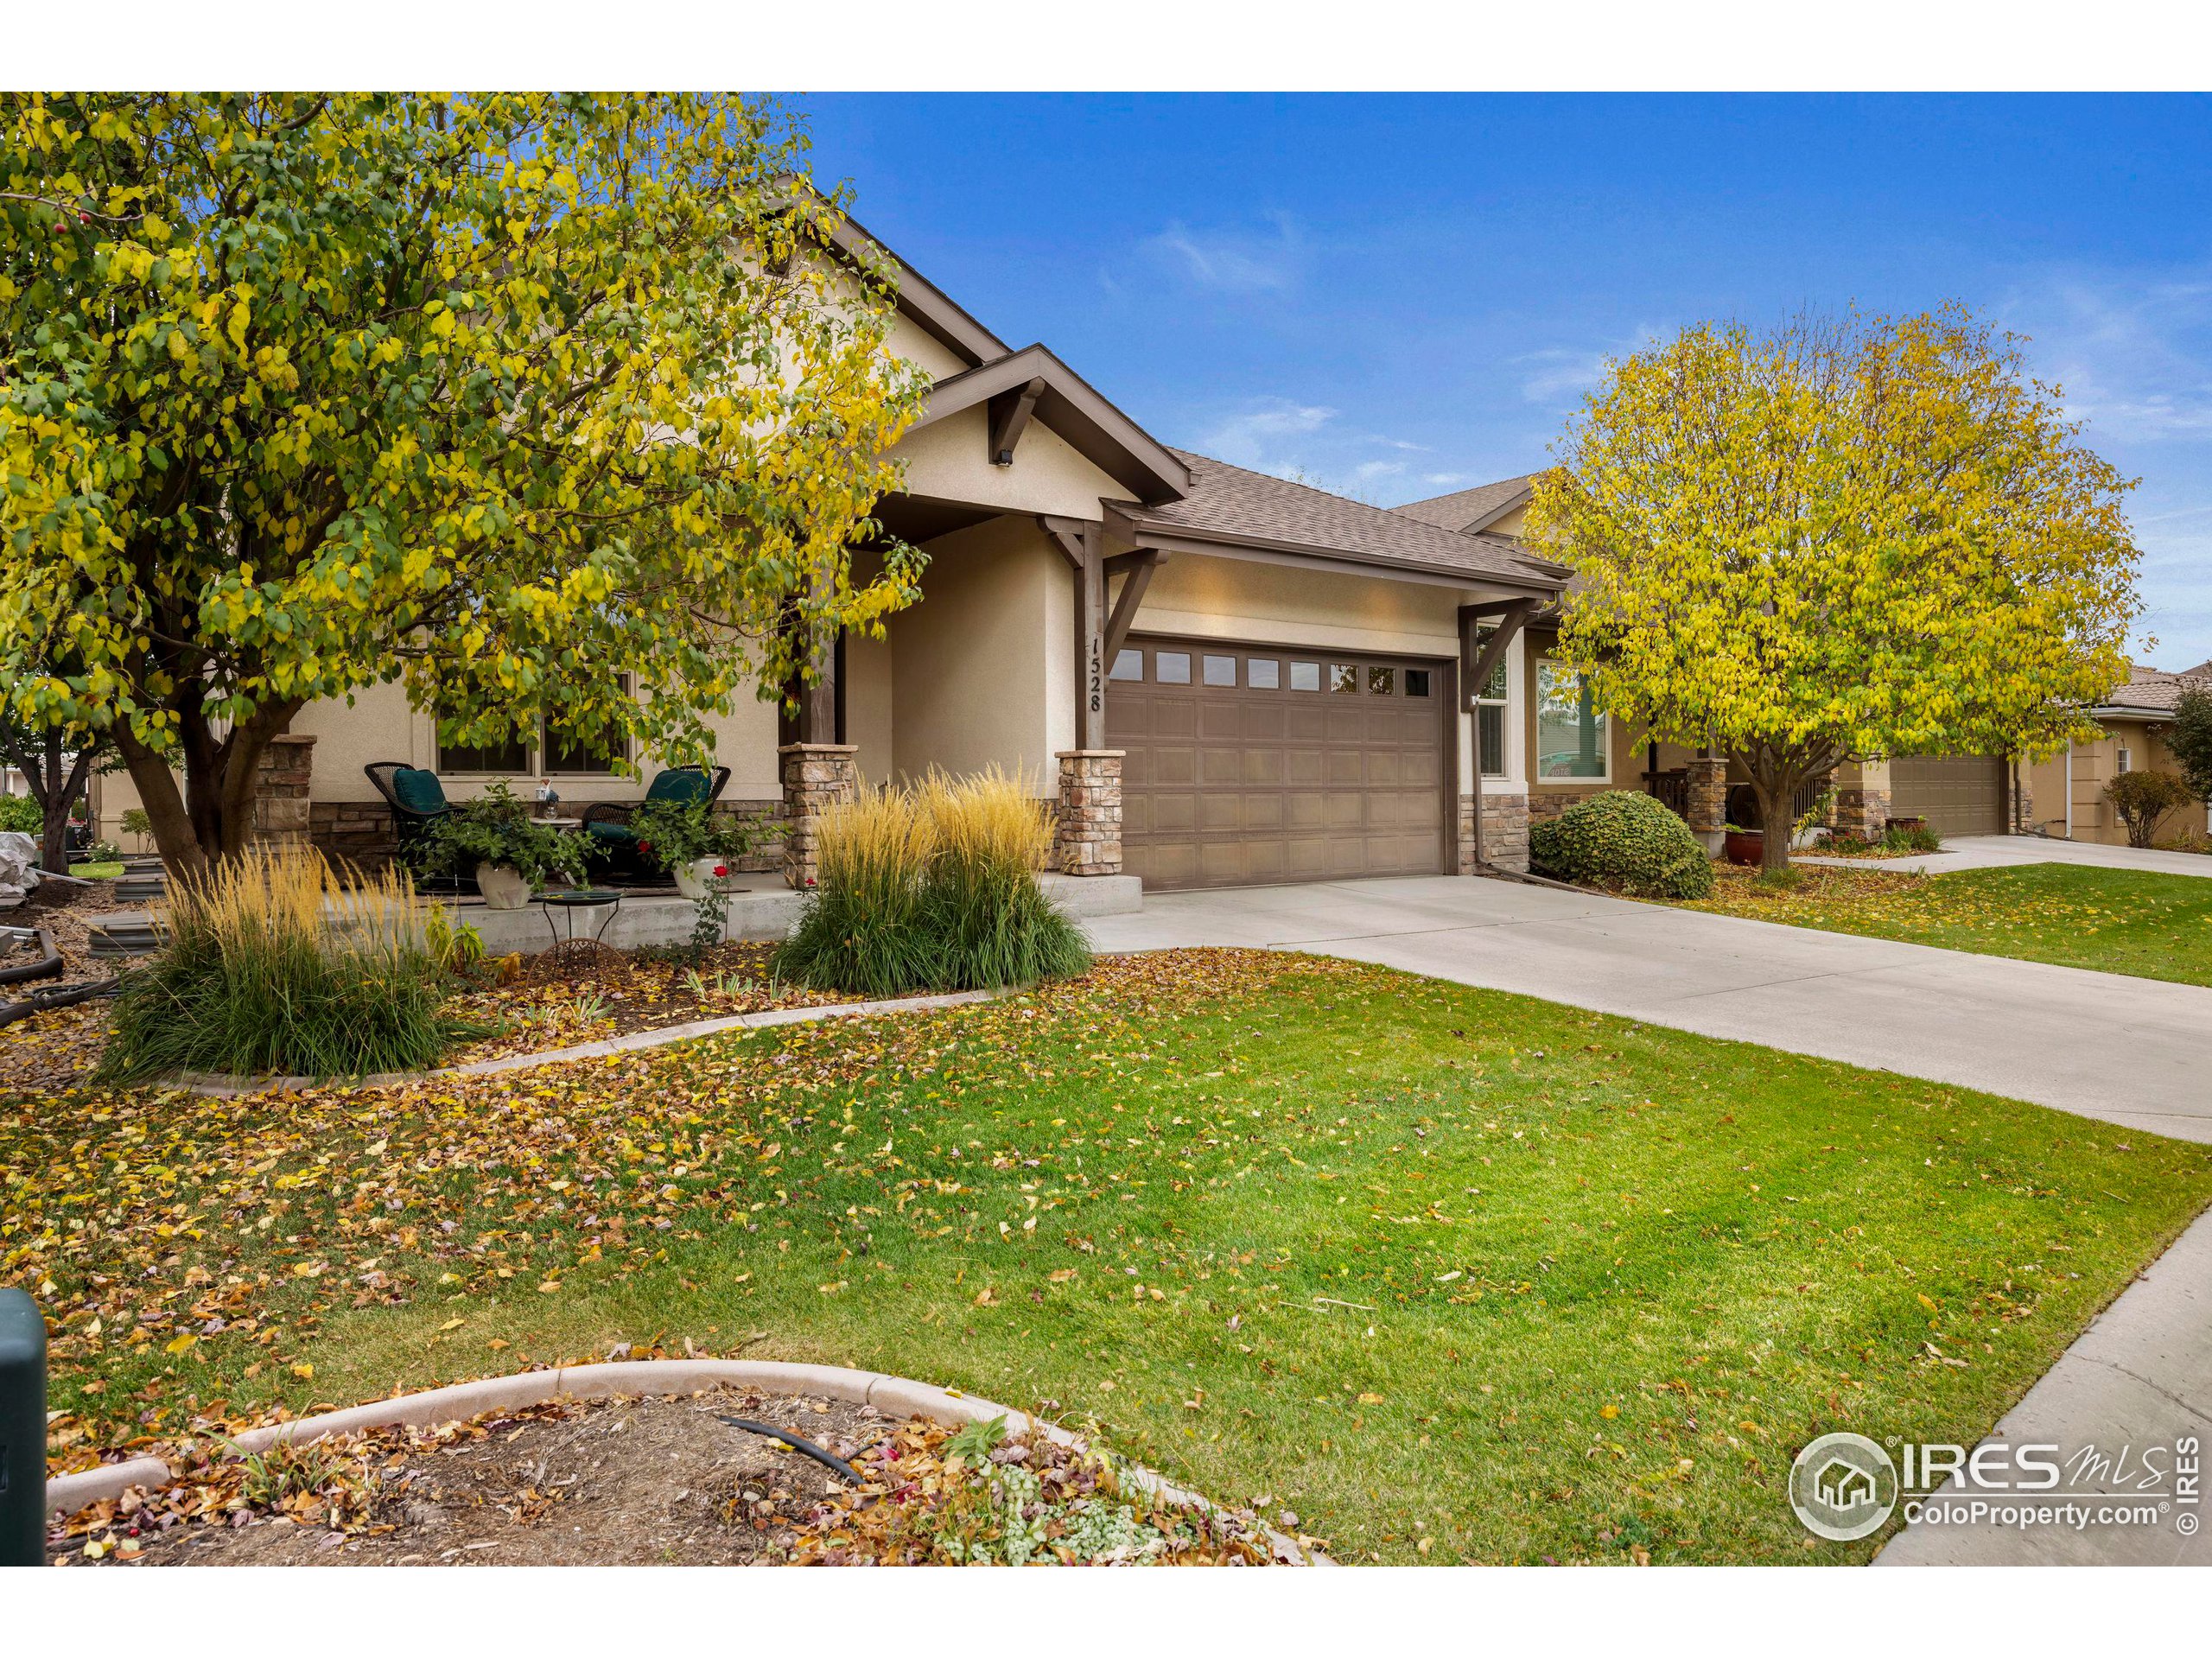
210 817
1781 822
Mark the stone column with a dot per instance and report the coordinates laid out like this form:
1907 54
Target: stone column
1708 800
1862 798
281 807
1505 832
1089 841
816 776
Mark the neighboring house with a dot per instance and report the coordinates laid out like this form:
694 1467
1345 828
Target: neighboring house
1222 677
2068 788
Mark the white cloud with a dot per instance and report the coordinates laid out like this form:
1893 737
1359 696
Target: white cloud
1235 262
1255 433
1557 377
1368 472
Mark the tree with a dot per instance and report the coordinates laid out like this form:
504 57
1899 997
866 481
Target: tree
541 404
57 758
1861 537
2189 740
2141 798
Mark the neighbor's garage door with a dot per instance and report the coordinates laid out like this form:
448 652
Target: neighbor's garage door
1251 765
1958 794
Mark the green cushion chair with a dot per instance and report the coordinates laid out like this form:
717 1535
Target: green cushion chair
608 822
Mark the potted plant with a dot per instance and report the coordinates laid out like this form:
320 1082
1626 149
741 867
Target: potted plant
495 838
1741 846
692 842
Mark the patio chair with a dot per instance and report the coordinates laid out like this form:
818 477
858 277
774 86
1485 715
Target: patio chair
608 822
417 800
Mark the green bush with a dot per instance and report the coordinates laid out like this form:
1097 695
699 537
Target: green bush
23 812
2142 798
271 965
933 888
1624 840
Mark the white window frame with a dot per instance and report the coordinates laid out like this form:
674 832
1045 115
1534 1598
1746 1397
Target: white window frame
1537 776
1506 771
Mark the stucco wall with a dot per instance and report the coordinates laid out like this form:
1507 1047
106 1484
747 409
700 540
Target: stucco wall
982 666
2095 764
949 460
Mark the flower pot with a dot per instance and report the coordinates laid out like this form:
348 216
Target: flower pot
698 879
1743 846
502 886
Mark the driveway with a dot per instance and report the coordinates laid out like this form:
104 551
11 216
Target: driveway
1994 852
2132 1052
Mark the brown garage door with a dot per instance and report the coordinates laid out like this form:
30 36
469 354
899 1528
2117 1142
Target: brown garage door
1247 764
1958 794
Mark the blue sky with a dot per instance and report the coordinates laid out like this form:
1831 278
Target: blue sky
1397 295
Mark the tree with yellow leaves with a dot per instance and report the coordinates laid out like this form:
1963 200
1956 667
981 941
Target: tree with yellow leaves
1857 538
542 404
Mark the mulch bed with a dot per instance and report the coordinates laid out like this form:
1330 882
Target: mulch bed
662 1480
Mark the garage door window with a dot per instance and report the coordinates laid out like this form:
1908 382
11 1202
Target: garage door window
1262 673
1570 731
1383 682
1172 667
1129 665
1416 682
1343 678
1220 671
1305 676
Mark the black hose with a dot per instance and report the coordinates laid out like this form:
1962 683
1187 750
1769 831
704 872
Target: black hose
798 1443
50 962
56 997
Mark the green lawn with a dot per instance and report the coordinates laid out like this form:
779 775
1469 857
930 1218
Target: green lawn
2115 921
105 870
1428 1265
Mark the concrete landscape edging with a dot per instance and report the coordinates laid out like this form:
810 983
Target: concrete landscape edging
229 1086
896 1395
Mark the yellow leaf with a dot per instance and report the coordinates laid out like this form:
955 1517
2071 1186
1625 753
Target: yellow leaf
180 1345
304 1371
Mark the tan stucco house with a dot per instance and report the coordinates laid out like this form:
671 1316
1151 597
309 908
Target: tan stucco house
1223 677
2068 788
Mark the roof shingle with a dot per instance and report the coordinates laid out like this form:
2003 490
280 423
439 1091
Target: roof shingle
1464 507
1233 504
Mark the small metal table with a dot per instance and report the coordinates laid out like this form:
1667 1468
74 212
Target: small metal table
574 953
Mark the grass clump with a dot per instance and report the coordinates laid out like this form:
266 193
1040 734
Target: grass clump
273 964
933 886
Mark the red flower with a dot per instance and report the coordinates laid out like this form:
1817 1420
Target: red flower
722 869
645 846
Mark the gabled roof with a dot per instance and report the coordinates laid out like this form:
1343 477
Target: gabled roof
1068 403
1233 507
2153 691
1471 510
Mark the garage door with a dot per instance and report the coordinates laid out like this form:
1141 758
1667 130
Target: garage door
1247 764
1958 794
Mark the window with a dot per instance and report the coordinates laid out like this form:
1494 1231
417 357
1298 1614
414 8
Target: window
1491 705
1262 673
511 757
1172 667
1218 670
1383 682
1416 682
1343 679
1127 666
570 752
1305 676
1570 730
2127 759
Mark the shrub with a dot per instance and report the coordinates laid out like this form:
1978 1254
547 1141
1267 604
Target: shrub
23 812
272 964
496 828
2142 798
136 824
1625 841
933 887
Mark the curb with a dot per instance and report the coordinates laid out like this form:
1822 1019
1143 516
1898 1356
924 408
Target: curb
896 1395
222 1087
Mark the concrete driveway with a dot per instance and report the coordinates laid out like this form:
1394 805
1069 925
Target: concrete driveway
2133 1052
1994 852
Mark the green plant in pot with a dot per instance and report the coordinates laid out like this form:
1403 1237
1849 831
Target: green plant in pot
698 846
511 855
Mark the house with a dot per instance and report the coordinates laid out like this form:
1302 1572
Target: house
2068 788
1221 676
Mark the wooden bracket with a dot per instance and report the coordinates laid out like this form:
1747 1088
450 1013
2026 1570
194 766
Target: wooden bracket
1009 419
1139 565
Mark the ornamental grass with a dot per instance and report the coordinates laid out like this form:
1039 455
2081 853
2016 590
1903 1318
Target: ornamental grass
276 961
933 886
